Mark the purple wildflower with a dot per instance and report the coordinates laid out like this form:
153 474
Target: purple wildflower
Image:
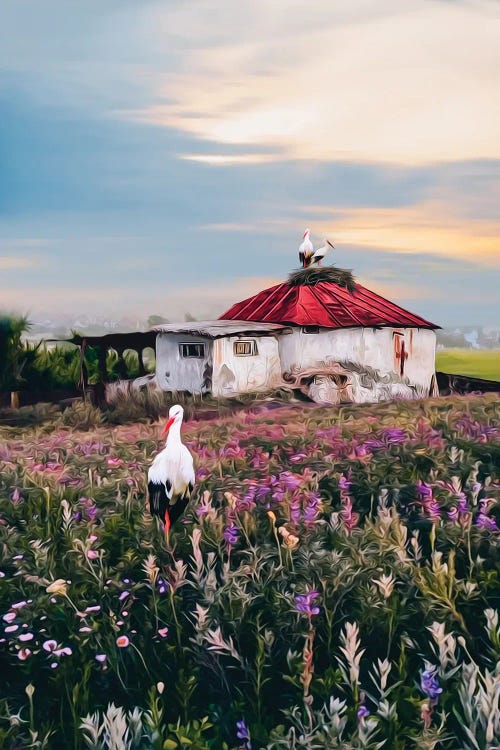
462 503
485 522
305 603
245 503
231 534
424 490
429 683
344 483
290 481
242 732
394 435
162 586
363 712
312 508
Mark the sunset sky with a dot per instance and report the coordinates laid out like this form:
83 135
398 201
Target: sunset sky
164 157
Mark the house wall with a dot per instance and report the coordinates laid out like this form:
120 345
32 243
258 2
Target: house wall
245 374
176 373
367 347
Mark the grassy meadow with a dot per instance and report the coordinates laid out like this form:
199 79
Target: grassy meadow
334 583
476 363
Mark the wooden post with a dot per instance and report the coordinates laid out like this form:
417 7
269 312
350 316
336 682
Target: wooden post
122 367
100 387
83 382
142 366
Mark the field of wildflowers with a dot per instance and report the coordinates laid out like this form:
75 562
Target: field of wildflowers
334 584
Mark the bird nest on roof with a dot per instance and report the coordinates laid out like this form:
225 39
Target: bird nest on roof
311 276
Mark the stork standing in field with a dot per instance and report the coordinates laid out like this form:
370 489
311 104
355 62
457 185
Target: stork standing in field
306 249
171 475
320 253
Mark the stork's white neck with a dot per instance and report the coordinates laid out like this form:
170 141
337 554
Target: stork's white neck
174 434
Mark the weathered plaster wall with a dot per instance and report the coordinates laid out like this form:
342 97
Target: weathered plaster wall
375 349
370 359
245 374
176 373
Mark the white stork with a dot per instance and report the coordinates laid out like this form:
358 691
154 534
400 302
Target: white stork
306 249
320 253
171 475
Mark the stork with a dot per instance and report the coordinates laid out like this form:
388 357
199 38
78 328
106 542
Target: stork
306 249
320 253
171 475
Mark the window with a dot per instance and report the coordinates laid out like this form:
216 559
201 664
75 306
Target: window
245 348
192 350
310 329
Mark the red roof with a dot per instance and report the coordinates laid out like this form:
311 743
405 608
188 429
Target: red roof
325 304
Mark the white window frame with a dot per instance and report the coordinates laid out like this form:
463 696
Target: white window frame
192 343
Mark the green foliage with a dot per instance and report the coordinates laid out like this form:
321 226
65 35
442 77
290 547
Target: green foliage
12 354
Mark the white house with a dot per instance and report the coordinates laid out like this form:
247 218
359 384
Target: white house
320 333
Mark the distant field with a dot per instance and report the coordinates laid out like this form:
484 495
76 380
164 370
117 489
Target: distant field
482 363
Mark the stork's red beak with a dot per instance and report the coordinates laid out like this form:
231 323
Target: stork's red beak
168 425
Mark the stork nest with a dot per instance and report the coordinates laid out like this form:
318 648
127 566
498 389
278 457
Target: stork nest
310 276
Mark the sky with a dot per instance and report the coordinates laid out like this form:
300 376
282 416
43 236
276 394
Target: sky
166 157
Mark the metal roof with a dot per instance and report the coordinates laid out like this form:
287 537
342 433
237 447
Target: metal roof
324 304
218 328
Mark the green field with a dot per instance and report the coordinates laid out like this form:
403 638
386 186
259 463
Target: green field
477 363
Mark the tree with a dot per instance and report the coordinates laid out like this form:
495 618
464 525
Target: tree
12 354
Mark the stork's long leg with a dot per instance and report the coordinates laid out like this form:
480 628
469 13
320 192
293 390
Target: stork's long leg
167 527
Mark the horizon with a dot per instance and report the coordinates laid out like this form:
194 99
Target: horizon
165 159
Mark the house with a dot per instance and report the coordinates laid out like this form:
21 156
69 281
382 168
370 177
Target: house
320 332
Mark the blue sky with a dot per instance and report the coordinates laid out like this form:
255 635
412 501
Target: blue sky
160 157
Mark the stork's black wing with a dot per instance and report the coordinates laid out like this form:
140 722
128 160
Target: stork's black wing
301 258
180 505
158 498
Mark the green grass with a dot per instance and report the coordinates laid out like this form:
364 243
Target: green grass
477 363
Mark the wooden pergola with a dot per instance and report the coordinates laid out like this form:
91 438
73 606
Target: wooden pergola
120 343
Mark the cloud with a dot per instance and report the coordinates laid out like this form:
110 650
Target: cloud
228 160
398 291
411 83
201 300
424 228
11 263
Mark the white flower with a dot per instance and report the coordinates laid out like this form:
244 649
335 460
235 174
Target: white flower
386 584
59 586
